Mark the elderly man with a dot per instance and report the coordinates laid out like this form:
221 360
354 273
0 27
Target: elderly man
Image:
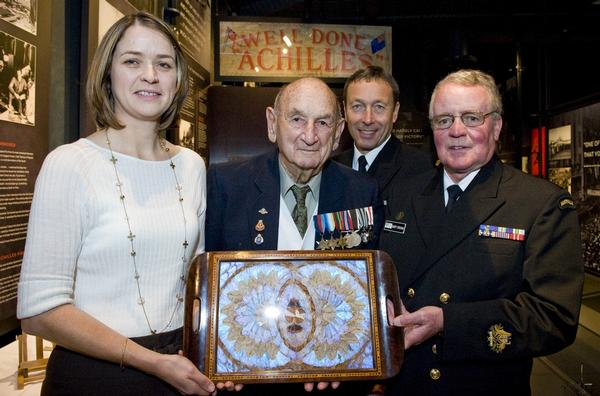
287 199
371 104
490 264
270 202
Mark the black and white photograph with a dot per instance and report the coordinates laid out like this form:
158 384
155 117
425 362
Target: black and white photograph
561 177
591 180
559 143
186 134
21 13
17 80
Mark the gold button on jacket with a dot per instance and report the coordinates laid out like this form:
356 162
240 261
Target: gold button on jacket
410 292
445 298
435 374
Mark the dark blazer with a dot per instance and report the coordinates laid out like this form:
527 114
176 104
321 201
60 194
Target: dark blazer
531 288
395 163
239 192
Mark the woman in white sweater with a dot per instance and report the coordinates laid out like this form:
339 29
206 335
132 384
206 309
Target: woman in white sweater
115 219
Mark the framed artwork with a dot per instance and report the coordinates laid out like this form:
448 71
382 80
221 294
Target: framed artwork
17 80
559 143
273 51
185 134
292 316
23 14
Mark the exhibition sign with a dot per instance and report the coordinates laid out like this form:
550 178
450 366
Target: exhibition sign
256 51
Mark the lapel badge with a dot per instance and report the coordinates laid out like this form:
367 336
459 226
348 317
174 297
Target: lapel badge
258 240
399 216
263 211
394 226
260 226
498 338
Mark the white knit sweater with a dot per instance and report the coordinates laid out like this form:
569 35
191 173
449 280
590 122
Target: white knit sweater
77 250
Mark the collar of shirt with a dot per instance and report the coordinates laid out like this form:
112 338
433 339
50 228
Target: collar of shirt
463 184
312 198
370 156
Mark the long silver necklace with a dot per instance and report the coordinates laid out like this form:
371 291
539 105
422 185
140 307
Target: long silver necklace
131 236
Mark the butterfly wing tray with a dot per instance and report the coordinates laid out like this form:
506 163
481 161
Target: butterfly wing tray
292 316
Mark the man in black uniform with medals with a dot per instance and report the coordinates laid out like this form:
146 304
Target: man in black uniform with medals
489 263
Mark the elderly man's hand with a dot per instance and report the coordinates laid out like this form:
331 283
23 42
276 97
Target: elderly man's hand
419 325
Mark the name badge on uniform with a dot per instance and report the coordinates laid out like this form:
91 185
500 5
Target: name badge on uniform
490 231
395 227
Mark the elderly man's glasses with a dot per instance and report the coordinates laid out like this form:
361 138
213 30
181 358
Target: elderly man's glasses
469 119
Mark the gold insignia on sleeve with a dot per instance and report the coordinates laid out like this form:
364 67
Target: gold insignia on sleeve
566 203
498 338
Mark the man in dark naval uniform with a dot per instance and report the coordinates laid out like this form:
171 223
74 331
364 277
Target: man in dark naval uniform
371 105
489 258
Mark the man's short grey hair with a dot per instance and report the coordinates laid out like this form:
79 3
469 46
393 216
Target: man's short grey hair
471 78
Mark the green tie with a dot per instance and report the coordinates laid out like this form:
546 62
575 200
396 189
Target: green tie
299 212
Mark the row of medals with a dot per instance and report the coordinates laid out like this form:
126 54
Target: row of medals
348 240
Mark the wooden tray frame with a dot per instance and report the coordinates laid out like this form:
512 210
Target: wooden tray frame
201 308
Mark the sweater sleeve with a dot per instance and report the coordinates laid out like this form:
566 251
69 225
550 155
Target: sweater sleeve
54 235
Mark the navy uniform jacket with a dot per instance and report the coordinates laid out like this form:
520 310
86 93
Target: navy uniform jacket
504 301
238 191
395 163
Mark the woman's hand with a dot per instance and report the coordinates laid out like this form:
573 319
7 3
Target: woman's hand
183 375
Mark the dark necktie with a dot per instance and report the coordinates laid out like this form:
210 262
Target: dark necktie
454 192
362 164
299 213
